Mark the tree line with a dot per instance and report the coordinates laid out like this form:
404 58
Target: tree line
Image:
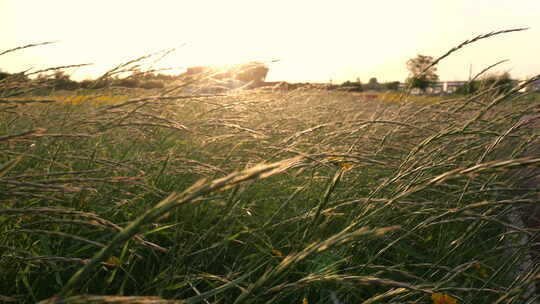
59 80
423 75
372 85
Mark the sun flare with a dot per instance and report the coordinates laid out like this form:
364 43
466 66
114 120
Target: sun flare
314 41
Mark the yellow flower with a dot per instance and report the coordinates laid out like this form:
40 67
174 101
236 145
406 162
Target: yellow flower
346 166
341 162
113 262
481 270
277 253
441 298
305 301
77 99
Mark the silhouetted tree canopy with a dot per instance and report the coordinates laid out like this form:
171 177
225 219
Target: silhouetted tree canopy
420 76
4 75
373 84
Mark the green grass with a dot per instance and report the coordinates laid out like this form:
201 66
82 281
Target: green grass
405 221
266 197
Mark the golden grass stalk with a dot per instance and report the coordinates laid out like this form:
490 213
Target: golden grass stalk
26 46
89 299
196 191
477 169
343 237
473 40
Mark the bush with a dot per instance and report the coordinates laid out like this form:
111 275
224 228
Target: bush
4 75
352 86
13 84
500 82
95 84
62 81
152 84
392 86
127 83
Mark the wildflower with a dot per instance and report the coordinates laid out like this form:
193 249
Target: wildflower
481 270
346 166
441 298
305 301
77 99
341 162
113 262
277 253
24 218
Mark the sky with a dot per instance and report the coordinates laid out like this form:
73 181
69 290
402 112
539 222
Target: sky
313 41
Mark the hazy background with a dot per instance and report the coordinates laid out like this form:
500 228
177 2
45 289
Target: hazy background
315 41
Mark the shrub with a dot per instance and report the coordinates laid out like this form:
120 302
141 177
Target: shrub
152 84
127 83
352 86
500 82
62 81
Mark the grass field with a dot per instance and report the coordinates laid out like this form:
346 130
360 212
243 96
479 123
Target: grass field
265 197
303 196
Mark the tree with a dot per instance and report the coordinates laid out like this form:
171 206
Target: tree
352 86
4 75
373 84
62 81
499 83
392 86
420 76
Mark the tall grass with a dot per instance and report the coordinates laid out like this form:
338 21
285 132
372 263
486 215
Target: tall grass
269 197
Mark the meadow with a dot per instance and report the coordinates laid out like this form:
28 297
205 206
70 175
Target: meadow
261 196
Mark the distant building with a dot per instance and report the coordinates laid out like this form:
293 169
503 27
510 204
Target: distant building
446 87
533 86
439 87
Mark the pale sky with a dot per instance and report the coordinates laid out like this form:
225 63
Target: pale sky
315 41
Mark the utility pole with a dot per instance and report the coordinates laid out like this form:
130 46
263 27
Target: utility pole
469 84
